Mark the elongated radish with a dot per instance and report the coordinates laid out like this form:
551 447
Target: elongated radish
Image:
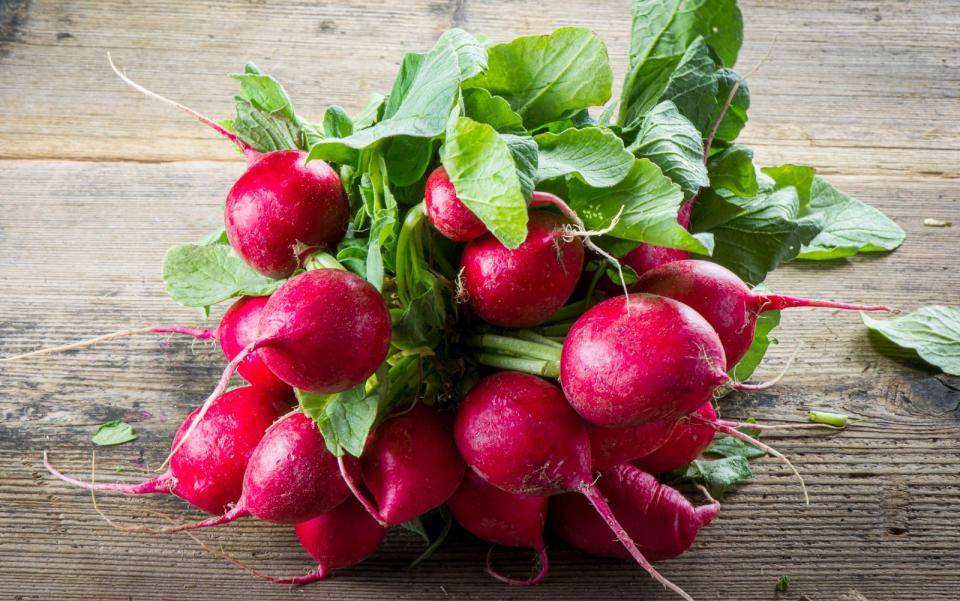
502 518
727 304
208 470
517 432
661 521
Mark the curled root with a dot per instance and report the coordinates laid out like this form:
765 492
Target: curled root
543 563
461 296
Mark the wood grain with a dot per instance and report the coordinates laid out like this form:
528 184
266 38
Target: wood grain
97 181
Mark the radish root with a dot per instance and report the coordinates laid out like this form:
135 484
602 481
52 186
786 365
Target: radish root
542 561
200 333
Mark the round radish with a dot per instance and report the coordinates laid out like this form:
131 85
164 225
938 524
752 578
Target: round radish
447 212
661 521
523 287
237 329
517 432
410 464
725 301
207 471
687 442
612 446
640 359
649 256
283 206
502 518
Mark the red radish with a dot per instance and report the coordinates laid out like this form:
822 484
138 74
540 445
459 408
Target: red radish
502 518
517 432
280 207
447 212
291 477
727 304
237 329
410 464
207 472
523 287
661 520
639 359
688 440
612 446
649 256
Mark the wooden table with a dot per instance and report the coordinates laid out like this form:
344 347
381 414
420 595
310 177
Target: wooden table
97 181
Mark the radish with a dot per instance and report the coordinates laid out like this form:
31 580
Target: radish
661 520
523 287
612 446
640 359
688 440
447 212
725 301
410 464
649 256
291 477
502 518
207 472
281 208
517 432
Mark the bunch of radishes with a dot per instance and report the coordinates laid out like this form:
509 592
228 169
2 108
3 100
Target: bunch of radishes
413 280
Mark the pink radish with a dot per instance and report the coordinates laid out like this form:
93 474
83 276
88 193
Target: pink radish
688 440
280 207
517 432
447 212
727 304
237 329
502 518
612 446
657 517
410 464
523 287
208 470
291 477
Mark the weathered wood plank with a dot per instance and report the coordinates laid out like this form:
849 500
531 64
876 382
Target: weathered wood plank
866 91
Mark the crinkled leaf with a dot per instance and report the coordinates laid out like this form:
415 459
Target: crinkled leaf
352 254
933 331
265 118
693 87
548 77
480 105
483 172
849 225
719 475
766 322
200 276
736 117
471 54
596 155
646 88
344 418
670 140
650 201
113 432
728 446
526 158
733 171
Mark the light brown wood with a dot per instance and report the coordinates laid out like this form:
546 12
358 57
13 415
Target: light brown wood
98 181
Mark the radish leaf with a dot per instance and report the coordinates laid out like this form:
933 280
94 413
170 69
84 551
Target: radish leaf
933 331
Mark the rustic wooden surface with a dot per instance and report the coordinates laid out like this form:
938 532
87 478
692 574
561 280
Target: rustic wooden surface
96 181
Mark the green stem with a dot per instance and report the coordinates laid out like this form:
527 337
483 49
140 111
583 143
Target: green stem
555 330
588 299
547 369
322 260
831 419
571 311
532 336
515 346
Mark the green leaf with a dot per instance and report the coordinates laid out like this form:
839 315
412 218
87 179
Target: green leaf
545 78
764 232
217 237
850 226
668 139
480 105
114 432
646 88
650 201
728 446
441 537
783 583
733 170
344 418
781 176
337 123
419 104
650 21
407 159
596 155
719 475
370 113
736 118
416 526
423 306
265 118
200 276
766 322
933 331
526 157
471 54
483 172
693 87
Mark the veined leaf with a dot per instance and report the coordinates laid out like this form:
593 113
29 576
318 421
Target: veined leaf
596 155
668 139
203 275
933 331
344 418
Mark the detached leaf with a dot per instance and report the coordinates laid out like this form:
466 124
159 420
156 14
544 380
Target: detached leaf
344 419
596 155
484 174
728 446
933 331
551 76
719 475
650 201
113 433
668 139
850 226
200 276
